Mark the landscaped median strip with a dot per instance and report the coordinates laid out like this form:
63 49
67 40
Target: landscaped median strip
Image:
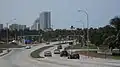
35 54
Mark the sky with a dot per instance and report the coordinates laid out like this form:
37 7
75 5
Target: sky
64 13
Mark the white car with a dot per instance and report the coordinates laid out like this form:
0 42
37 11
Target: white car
56 51
28 47
48 54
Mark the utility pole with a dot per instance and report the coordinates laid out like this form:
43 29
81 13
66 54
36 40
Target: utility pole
7 32
87 18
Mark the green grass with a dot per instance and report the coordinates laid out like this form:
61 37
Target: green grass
77 46
1 50
10 46
116 57
35 54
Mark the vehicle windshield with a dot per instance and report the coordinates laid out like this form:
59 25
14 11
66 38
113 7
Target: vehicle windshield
59 33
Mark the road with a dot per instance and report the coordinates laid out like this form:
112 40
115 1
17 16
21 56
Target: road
21 58
84 61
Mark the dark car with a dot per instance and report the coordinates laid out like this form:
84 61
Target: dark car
70 43
56 51
59 47
64 54
74 56
47 54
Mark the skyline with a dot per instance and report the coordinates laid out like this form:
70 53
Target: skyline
64 12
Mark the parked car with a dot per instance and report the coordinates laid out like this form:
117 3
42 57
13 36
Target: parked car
56 51
73 56
64 53
47 54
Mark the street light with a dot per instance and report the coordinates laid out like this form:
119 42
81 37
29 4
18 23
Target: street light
7 28
72 29
87 18
82 23
83 36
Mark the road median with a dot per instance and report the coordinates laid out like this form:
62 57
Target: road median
35 54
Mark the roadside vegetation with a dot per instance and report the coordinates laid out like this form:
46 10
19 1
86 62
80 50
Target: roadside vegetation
116 57
78 46
10 46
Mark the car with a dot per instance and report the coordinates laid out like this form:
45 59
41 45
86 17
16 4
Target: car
47 54
70 43
64 53
47 43
56 51
59 47
28 47
74 56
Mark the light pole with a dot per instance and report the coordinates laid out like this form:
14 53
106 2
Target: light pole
7 32
72 29
83 31
87 18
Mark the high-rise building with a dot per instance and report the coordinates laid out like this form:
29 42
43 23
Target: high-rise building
45 20
36 25
17 26
14 26
1 26
21 27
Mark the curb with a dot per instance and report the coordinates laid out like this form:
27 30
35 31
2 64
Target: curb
5 52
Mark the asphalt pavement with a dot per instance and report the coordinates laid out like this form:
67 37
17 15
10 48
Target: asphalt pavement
21 58
84 61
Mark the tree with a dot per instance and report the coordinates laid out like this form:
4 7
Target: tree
117 41
110 42
115 22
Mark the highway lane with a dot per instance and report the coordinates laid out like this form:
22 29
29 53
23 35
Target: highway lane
83 62
21 58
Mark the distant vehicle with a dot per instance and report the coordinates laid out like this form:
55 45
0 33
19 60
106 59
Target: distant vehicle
35 42
56 51
28 41
47 54
28 47
70 43
74 56
59 47
64 53
1 42
13 42
47 43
